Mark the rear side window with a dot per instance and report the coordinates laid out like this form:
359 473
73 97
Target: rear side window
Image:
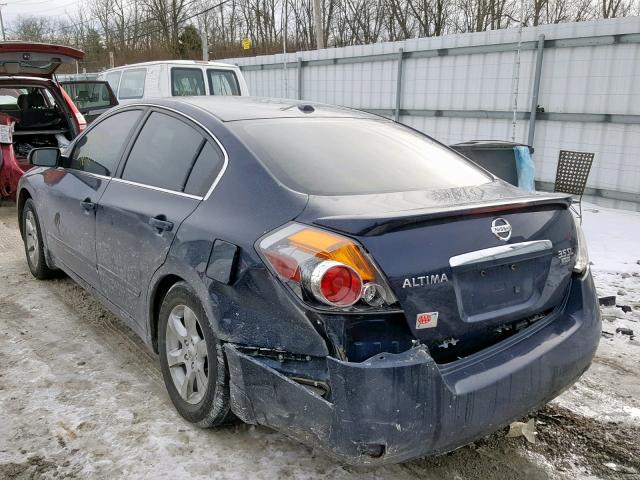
99 150
329 156
222 82
163 153
187 82
113 78
132 83
205 170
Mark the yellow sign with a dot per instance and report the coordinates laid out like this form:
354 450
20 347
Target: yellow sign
246 43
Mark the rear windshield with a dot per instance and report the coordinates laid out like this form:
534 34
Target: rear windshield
354 156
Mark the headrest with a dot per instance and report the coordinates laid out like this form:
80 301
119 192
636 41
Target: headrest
23 101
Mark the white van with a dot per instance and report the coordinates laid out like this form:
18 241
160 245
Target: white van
173 78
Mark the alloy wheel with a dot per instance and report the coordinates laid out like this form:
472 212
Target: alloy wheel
187 356
31 237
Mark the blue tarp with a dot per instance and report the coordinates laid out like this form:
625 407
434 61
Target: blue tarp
526 168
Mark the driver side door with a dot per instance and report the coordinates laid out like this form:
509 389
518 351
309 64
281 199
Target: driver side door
75 189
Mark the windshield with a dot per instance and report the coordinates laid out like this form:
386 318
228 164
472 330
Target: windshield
331 156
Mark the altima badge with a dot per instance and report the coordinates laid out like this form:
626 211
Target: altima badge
501 229
423 280
427 320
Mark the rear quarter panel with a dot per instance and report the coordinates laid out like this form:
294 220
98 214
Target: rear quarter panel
246 203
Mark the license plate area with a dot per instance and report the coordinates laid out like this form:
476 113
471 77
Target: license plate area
501 286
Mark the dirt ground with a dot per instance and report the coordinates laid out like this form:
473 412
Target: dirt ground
82 397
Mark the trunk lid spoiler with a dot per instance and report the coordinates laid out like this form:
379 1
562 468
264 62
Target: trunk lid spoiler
377 214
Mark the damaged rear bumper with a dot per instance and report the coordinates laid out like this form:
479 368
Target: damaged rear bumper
391 408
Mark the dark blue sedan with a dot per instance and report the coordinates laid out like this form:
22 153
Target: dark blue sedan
328 273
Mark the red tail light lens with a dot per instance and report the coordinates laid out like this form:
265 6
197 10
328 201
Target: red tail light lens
336 284
81 122
325 267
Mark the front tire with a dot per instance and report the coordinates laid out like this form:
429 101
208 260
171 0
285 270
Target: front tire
33 244
191 359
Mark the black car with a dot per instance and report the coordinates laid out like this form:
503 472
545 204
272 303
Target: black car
328 273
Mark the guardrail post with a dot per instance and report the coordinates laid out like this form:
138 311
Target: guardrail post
299 78
396 116
536 90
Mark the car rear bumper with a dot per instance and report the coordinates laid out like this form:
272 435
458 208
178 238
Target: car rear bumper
391 408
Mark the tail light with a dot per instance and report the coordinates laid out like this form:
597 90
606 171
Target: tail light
582 254
81 122
326 268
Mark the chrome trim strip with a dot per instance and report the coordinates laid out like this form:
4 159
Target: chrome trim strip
84 172
159 189
224 151
500 253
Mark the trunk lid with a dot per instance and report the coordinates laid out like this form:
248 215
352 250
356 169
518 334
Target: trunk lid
462 278
35 59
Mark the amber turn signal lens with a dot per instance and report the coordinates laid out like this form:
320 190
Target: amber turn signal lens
328 246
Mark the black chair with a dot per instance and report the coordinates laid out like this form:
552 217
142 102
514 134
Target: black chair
572 174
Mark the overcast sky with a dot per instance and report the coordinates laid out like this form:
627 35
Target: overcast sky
53 8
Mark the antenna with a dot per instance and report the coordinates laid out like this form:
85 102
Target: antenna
516 76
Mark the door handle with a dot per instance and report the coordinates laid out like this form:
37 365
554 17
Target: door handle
160 223
87 204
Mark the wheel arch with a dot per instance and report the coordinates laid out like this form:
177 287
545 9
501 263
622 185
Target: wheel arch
158 293
23 196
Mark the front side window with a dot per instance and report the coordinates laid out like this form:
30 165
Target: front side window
329 156
99 150
187 82
113 79
88 94
222 82
132 83
163 153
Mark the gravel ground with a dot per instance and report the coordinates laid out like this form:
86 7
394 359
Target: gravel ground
82 397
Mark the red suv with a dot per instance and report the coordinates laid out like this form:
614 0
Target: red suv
35 111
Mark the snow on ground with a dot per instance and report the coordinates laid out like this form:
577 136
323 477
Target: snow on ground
613 238
81 397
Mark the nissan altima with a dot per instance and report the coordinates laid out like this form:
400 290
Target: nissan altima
328 273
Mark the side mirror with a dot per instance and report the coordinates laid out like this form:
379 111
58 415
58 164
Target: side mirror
44 157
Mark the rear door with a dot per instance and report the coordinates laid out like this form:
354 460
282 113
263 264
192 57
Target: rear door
141 211
76 187
92 97
35 59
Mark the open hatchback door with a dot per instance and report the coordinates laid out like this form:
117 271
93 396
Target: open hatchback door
35 59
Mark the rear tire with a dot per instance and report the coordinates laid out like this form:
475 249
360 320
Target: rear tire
33 244
192 359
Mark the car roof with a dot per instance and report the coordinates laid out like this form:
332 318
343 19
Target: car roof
234 108
200 63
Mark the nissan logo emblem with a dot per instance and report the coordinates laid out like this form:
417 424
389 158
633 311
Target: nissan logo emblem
501 229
